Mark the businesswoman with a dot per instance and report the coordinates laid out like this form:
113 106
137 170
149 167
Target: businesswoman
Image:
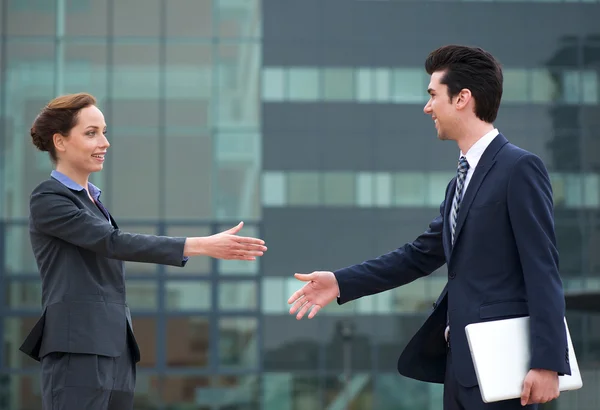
84 338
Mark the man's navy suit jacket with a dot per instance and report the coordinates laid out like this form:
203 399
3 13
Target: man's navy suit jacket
504 263
80 256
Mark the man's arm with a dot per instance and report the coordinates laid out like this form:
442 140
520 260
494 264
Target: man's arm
530 208
396 268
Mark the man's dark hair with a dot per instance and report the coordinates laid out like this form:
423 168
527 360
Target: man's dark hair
471 68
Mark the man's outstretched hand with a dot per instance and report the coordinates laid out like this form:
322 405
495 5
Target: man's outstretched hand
321 289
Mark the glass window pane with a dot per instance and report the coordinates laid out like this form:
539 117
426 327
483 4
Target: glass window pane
438 181
364 189
395 392
188 89
22 294
364 85
591 87
239 19
238 175
382 85
16 329
273 296
22 391
188 295
29 87
85 69
238 344
282 352
273 84
304 188
571 86
591 190
187 341
142 294
335 392
241 392
286 391
187 392
197 265
338 84
138 268
543 86
410 188
383 189
18 256
189 164
238 79
409 85
189 18
136 79
21 15
86 18
128 21
339 188
516 83
147 392
237 267
303 84
274 188
144 329
238 295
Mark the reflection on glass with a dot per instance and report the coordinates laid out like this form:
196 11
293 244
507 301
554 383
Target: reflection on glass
238 344
410 189
142 294
516 83
409 85
144 329
291 348
274 188
138 268
238 295
188 295
23 294
382 84
21 392
239 19
16 330
18 256
187 341
85 68
238 392
187 392
197 265
394 392
238 79
354 394
286 391
147 391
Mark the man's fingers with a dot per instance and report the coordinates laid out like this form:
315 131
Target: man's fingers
296 295
247 240
314 311
305 277
526 393
303 311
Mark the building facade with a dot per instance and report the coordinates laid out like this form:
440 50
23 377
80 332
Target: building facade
303 119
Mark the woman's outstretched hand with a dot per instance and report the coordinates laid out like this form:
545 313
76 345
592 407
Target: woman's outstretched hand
226 245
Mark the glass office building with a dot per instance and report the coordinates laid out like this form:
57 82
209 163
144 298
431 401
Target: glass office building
303 119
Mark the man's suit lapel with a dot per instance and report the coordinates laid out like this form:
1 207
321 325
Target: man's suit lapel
447 236
483 167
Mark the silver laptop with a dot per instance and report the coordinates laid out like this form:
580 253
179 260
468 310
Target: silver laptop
500 352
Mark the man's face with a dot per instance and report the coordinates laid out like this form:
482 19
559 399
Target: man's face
441 108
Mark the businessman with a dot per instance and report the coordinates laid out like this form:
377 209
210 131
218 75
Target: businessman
495 232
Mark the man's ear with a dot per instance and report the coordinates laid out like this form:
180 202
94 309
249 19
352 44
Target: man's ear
463 98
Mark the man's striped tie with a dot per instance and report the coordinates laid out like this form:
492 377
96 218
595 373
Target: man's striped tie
463 167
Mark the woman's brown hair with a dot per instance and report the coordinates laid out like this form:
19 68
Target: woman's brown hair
59 116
